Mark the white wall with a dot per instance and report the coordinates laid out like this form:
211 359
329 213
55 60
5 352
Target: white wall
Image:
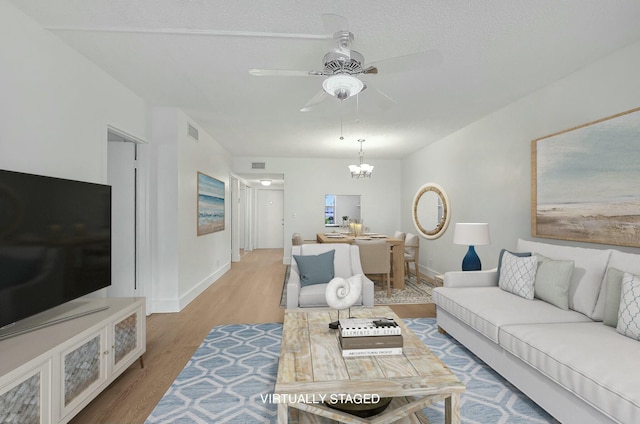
55 108
55 105
185 264
485 168
307 181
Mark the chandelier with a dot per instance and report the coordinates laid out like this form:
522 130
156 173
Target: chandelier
364 169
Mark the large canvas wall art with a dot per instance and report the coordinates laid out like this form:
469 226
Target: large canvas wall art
586 182
210 204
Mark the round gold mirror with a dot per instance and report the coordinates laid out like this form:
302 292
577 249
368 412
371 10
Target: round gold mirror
431 211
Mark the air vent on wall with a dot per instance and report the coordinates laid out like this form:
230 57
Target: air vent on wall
258 165
192 131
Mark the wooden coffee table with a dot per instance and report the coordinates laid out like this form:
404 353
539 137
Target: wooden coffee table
312 368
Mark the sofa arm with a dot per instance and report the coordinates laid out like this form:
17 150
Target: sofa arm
486 278
293 290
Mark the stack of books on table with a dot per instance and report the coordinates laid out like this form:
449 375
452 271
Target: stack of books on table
370 336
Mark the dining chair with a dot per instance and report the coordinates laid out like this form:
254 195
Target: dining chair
375 258
411 253
296 239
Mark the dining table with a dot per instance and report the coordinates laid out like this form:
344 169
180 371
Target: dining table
396 245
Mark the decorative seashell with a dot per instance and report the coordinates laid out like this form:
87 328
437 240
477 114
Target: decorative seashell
343 293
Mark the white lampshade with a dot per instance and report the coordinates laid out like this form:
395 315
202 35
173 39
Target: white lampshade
366 167
342 86
471 234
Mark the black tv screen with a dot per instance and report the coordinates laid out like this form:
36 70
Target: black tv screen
55 242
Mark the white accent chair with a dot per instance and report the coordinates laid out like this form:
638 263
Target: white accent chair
346 263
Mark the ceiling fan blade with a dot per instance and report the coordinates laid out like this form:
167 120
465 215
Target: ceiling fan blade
318 98
378 99
419 60
370 70
282 73
388 100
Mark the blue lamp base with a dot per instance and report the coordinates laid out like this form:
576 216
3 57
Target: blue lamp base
471 261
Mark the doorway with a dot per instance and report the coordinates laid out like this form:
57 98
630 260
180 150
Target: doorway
270 219
124 178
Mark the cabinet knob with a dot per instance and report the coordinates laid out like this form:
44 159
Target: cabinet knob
106 352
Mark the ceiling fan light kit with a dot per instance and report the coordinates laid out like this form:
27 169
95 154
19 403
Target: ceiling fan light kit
342 86
364 170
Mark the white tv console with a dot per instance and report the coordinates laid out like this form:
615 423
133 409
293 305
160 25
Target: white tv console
48 375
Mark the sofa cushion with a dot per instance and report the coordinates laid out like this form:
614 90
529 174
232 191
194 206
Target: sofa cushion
612 296
315 269
588 359
588 273
486 309
625 262
629 313
552 281
313 296
517 274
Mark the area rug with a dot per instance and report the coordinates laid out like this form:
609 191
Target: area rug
231 375
414 292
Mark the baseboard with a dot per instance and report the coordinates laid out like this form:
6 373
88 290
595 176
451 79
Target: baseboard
189 296
164 306
431 273
176 305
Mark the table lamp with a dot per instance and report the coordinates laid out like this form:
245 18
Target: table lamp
471 234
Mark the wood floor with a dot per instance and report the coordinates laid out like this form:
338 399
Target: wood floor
249 293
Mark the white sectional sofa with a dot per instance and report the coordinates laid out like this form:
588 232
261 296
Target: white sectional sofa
568 361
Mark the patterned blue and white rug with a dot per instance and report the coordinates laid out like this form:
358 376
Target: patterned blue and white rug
230 376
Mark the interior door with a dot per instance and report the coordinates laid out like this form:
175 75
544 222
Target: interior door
121 175
270 219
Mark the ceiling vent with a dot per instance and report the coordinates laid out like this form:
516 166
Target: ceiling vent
258 165
192 131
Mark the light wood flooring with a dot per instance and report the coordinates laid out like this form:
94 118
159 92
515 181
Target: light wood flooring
249 293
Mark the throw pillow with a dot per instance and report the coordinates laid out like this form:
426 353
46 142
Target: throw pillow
519 254
629 314
552 281
613 290
315 269
517 275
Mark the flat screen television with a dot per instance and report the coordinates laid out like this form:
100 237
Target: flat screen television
55 242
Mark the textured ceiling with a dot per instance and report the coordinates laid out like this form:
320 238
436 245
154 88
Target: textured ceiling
494 52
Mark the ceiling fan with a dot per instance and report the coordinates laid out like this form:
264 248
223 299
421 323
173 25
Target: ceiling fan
342 66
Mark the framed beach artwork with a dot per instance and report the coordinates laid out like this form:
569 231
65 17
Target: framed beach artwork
586 182
210 204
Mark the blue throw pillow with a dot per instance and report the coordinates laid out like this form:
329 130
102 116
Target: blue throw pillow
518 254
315 269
